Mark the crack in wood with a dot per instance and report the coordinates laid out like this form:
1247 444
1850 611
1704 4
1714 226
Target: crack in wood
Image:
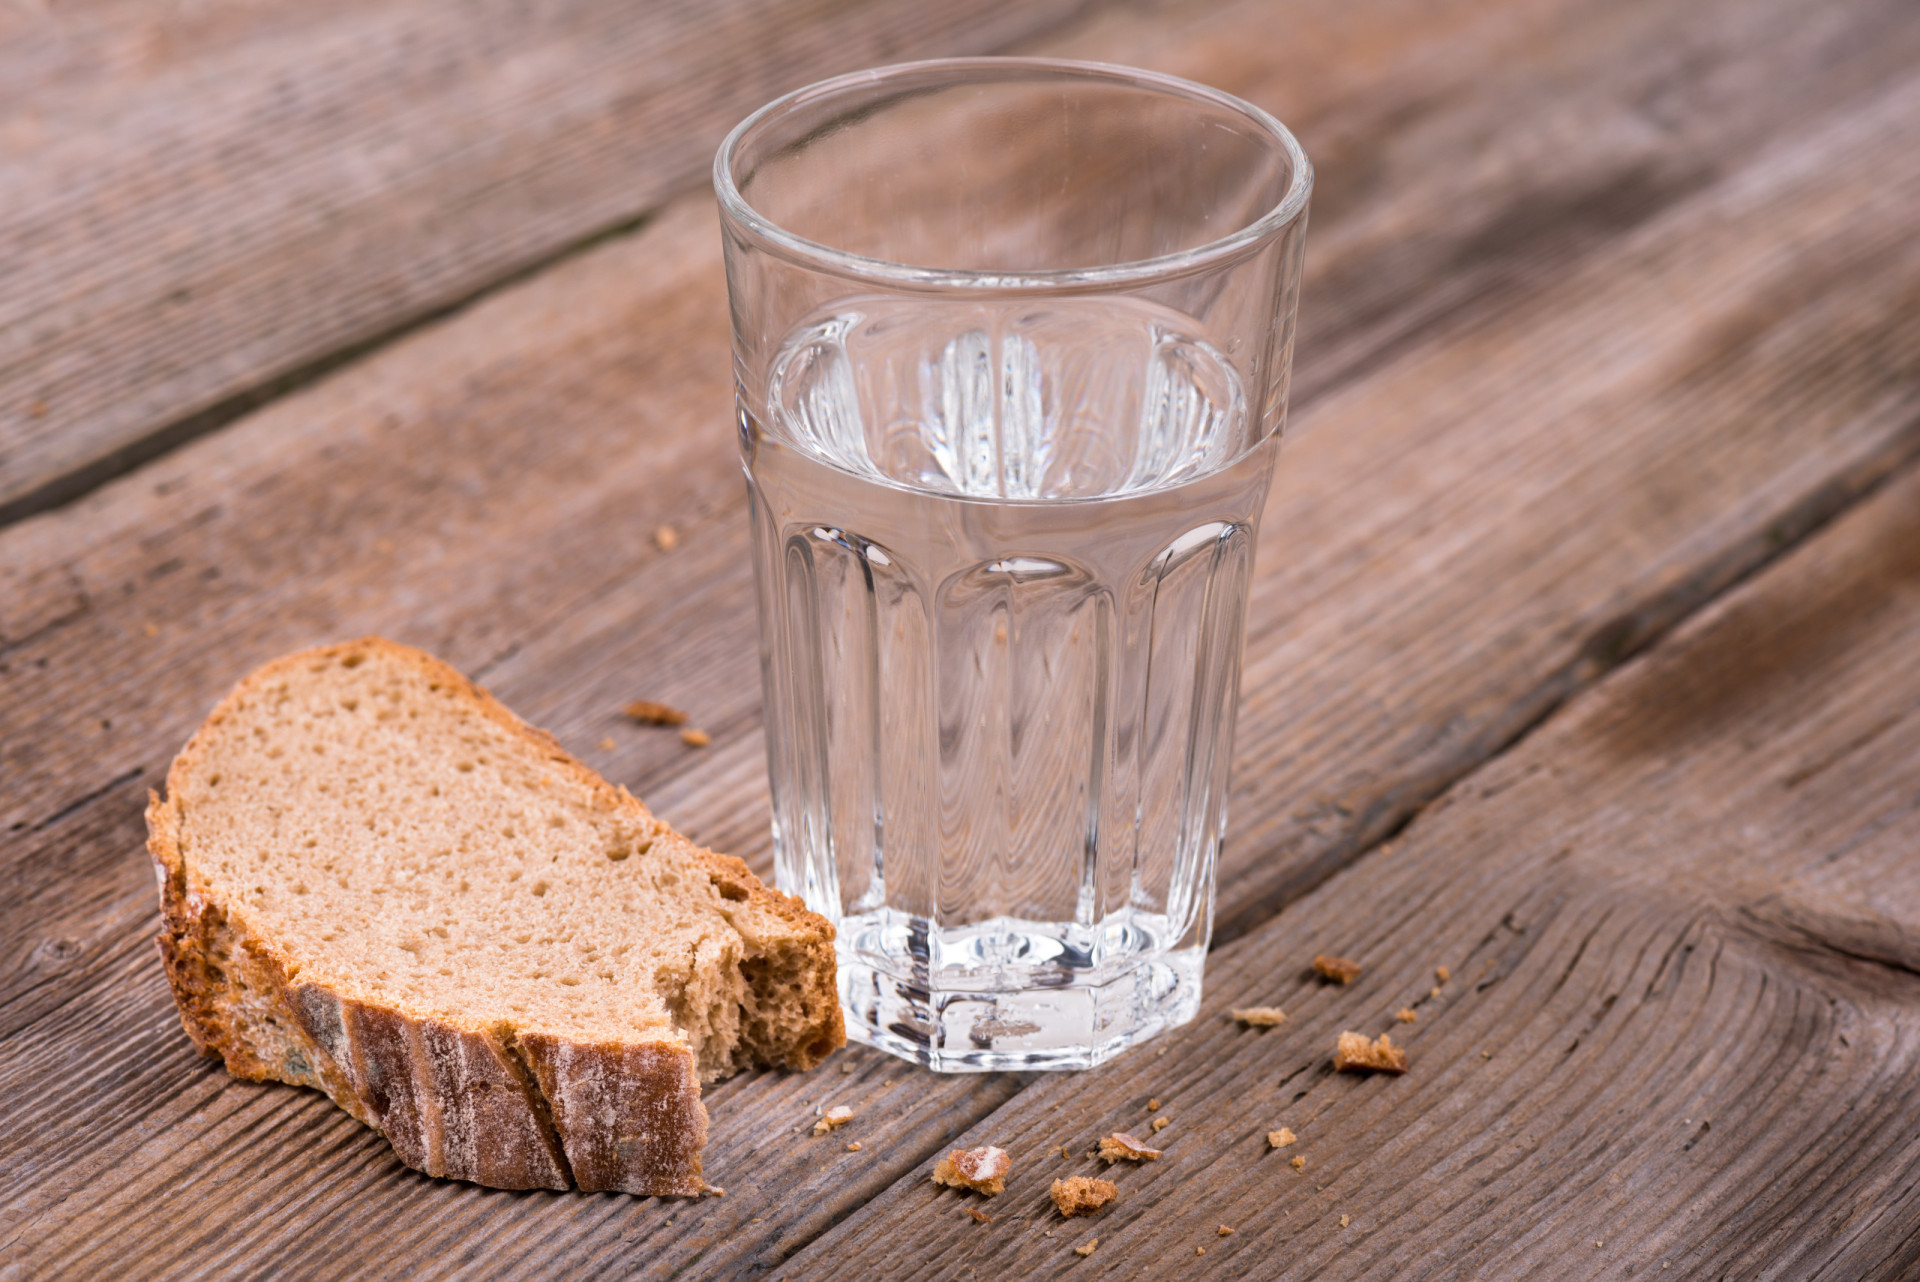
1470 744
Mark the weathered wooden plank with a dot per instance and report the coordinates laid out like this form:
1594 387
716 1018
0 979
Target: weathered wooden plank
1556 125
1624 437
1664 1045
266 1180
442 514
201 206
427 449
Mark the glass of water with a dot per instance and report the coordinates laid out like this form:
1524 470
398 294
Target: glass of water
1011 339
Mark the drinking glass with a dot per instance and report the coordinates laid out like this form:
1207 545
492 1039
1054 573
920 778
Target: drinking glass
1011 342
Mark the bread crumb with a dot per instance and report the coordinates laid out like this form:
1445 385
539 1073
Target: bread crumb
1355 1054
984 1170
853 1146
979 1216
666 538
1199 1250
847 1067
1442 974
151 630
1161 1123
1280 1138
714 1190
1260 1016
833 1119
1345 1220
1086 1247
1338 969
1224 1231
1121 1146
1153 1106
1406 1014
1081 1195
649 713
695 738
608 745
1299 1163
1486 1054
1433 992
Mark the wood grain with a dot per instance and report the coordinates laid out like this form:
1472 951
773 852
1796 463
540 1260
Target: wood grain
214 1161
1462 150
205 205
433 493
1664 1045
1484 508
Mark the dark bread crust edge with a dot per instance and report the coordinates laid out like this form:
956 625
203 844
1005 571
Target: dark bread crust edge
479 1104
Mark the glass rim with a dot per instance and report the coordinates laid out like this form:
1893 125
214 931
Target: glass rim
816 256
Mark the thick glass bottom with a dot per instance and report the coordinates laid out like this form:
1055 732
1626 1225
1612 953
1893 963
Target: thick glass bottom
1029 1000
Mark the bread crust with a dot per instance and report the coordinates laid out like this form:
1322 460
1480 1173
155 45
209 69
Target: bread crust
483 1104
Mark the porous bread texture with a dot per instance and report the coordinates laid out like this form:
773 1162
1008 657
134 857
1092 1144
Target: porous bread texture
1081 1195
1353 1053
984 1170
378 882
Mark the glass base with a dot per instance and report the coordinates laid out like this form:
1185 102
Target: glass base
1048 1018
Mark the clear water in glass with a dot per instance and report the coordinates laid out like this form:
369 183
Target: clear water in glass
1003 551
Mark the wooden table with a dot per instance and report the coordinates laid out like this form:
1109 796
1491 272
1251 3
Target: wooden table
1584 659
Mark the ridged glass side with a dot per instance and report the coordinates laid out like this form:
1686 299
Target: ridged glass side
999 732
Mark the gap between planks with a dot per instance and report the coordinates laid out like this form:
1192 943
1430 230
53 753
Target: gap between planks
536 655
428 158
517 659
1682 1019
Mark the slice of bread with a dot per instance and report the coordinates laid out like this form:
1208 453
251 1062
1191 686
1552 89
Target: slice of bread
378 882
